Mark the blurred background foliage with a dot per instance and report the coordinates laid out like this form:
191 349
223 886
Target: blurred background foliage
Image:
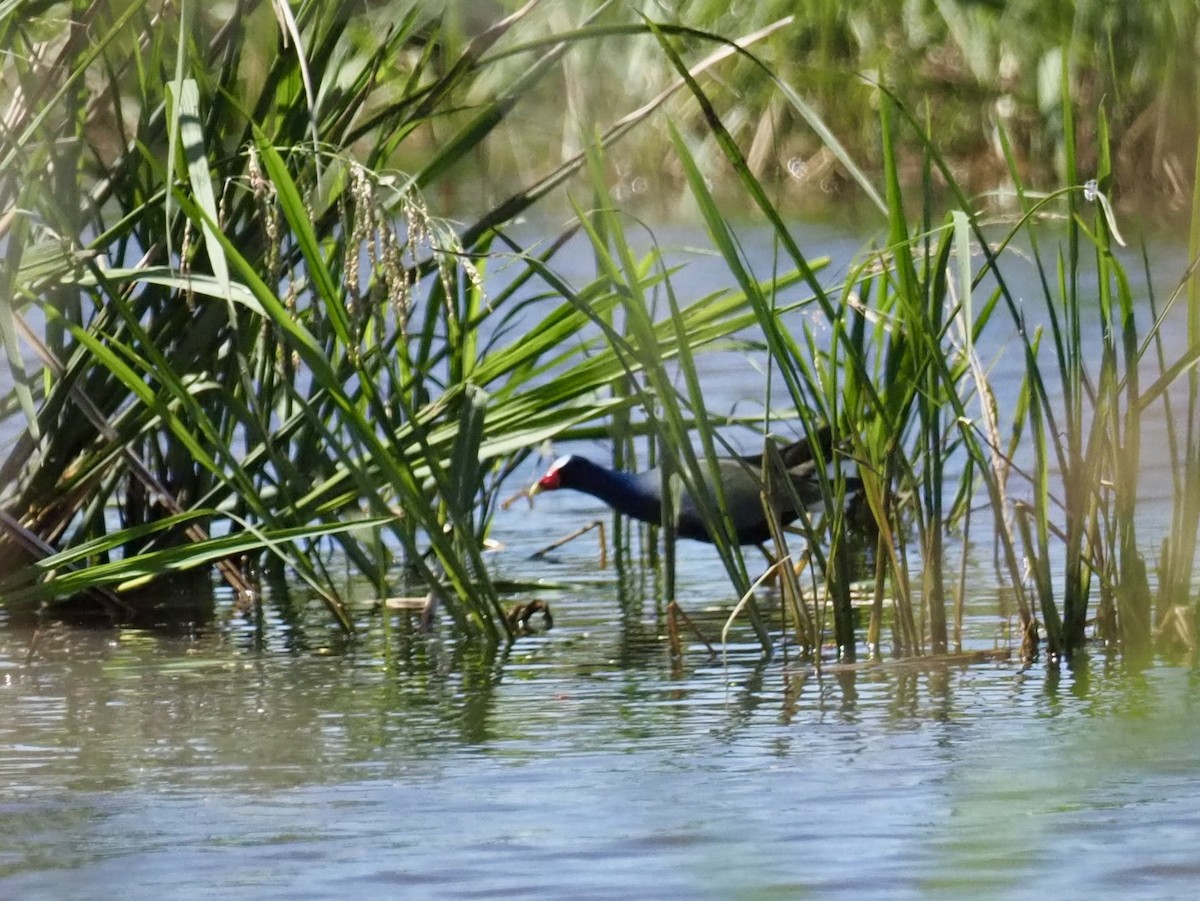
973 66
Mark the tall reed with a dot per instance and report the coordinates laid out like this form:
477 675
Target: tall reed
236 333
255 343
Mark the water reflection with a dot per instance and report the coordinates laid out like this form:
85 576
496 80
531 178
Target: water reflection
583 755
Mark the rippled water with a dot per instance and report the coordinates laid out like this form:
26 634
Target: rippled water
263 760
582 765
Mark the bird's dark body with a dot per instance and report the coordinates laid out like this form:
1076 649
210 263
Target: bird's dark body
639 495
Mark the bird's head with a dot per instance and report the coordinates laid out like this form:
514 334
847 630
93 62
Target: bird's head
553 479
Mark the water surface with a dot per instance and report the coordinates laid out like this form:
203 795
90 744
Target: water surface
583 764
244 759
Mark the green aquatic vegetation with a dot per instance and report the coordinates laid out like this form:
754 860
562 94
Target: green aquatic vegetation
238 335
256 340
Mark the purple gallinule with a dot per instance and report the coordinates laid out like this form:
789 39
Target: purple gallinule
639 494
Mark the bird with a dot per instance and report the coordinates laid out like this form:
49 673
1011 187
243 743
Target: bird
639 495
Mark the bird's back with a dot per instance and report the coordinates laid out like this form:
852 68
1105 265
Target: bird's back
742 487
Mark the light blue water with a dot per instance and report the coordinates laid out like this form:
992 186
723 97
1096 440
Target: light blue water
280 762
583 767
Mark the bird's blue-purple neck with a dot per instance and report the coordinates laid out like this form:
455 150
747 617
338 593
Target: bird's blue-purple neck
635 494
